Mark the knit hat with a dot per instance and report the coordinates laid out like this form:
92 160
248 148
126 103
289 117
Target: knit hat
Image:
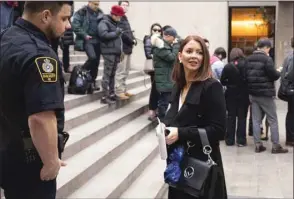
117 10
170 31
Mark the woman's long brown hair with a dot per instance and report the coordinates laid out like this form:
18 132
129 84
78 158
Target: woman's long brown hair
203 73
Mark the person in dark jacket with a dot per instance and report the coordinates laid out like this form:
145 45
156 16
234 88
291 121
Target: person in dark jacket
64 42
194 100
237 97
165 51
153 98
111 50
290 114
261 75
85 23
124 66
7 14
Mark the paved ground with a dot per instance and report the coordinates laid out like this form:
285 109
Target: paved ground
250 175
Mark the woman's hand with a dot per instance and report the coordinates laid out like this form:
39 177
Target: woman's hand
173 136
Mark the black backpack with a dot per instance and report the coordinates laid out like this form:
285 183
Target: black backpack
80 81
286 89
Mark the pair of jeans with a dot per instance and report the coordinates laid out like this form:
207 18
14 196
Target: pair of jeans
268 106
65 55
92 49
154 95
122 73
108 79
163 102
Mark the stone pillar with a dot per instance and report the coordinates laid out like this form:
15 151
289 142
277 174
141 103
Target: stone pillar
284 30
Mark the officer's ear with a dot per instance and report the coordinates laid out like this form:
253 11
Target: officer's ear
46 16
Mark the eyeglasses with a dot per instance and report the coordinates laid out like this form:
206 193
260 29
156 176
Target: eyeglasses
156 30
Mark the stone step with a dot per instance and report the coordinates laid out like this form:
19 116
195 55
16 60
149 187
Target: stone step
149 184
116 177
82 114
101 126
76 58
134 80
104 140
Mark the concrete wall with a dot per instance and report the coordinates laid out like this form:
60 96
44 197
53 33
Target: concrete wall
208 19
284 30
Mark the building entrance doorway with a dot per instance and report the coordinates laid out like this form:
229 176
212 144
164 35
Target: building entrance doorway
248 24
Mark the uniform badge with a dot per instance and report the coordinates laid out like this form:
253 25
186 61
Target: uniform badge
47 67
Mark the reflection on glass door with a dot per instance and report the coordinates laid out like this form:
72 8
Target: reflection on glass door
247 25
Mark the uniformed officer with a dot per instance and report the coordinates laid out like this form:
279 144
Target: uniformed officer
32 102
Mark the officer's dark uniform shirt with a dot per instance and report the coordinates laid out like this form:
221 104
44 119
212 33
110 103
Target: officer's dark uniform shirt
31 79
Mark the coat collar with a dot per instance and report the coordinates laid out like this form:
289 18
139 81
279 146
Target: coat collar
193 95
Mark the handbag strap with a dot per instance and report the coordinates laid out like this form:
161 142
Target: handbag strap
205 145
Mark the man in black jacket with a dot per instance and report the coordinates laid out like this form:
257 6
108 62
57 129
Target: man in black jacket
261 75
288 62
111 50
123 67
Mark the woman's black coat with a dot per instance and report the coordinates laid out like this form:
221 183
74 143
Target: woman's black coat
204 107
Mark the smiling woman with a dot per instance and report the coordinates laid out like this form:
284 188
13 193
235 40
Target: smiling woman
197 110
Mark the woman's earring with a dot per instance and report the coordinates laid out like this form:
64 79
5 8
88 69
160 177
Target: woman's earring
180 61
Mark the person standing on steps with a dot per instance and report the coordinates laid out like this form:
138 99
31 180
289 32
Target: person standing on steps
85 23
111 50
32 106
123 68
165 50
64 42
153 98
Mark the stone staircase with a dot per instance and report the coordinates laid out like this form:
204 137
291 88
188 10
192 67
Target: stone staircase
112 151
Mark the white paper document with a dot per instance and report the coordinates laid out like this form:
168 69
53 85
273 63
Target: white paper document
160 133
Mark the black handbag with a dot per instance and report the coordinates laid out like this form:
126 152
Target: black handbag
198 177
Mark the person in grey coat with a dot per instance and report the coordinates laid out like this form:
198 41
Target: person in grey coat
111 50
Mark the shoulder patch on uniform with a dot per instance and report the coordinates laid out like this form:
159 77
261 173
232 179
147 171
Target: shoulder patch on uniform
47 67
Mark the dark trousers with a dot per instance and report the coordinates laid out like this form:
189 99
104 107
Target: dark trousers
93 52
154 95
290 121
108 79
21 180
163 101
65 55
237 110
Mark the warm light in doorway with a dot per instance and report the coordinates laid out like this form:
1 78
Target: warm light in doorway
247 23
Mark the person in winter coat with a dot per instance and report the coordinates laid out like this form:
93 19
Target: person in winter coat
261 75
64 42
288 62
237 97
111 50
124 66
153 98
85 25
217 63
165 52
197 101
7 14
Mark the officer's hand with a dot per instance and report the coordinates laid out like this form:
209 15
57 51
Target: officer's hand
50 172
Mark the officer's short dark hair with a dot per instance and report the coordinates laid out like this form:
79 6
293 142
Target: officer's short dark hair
292 42
120 2
221 51
264 42
39 6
